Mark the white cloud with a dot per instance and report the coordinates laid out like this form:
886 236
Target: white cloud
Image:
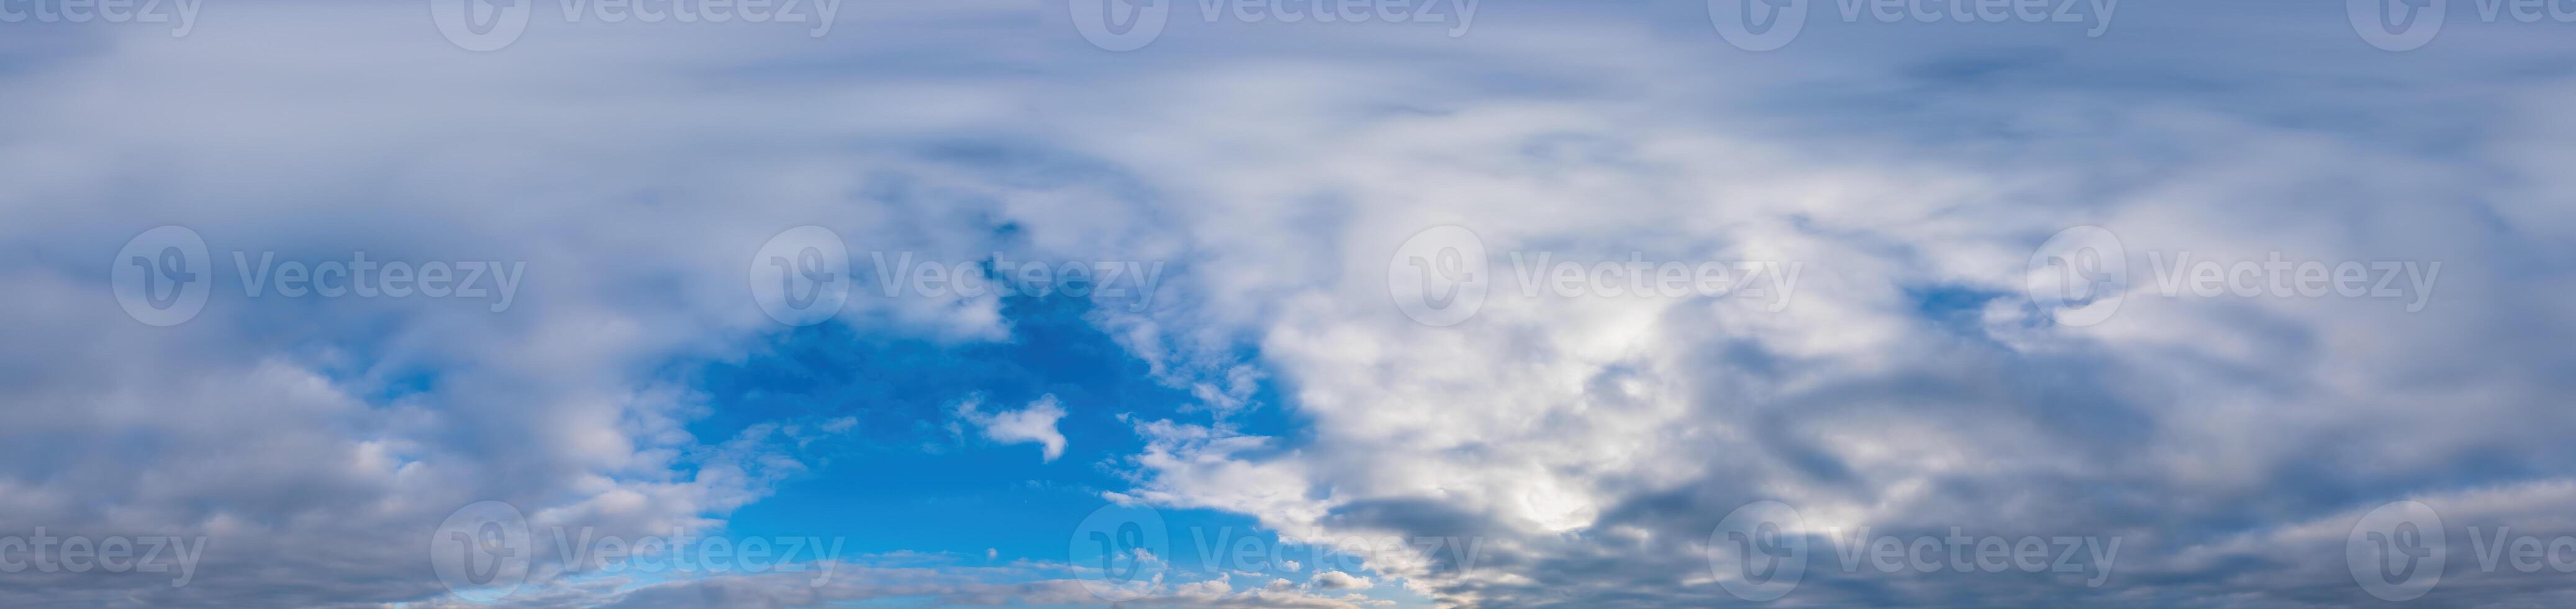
1032 424
1336 580
875 578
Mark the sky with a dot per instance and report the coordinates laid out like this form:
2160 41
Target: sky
1287 303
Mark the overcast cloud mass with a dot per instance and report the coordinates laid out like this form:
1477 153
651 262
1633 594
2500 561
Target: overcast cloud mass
1256 303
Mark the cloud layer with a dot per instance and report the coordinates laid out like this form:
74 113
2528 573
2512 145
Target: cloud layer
1592 445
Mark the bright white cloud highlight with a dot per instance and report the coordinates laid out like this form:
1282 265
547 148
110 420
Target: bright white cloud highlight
1032 424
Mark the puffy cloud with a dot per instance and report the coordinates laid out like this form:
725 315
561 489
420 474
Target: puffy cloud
1035 423
1336 580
